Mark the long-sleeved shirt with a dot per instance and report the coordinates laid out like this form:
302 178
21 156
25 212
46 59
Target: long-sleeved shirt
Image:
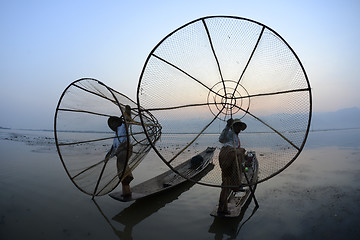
229 138
120 137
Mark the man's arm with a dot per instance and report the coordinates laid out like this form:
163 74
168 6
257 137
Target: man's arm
223 135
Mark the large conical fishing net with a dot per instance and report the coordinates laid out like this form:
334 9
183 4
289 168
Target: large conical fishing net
83 136
216 68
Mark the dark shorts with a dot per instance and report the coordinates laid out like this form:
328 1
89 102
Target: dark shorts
230 163
122 155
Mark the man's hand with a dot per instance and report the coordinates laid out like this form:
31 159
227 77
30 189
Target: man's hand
229 122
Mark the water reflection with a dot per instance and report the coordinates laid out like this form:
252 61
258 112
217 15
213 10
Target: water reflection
143 208
223 227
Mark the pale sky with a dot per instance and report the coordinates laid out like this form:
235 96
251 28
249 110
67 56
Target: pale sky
46 45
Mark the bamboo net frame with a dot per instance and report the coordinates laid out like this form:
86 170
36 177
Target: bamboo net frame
220 67
83 137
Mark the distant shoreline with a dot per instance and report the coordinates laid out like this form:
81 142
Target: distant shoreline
77 131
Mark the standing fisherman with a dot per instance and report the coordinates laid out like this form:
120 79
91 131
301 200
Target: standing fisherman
120 149
230 157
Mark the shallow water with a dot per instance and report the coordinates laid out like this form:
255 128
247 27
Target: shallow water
317 197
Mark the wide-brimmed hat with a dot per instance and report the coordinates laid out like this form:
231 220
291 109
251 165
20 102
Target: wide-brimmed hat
114 122
238 121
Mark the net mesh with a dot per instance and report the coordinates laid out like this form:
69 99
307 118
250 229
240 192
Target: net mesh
83 137
216 68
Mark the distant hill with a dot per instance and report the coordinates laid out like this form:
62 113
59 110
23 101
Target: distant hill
343 118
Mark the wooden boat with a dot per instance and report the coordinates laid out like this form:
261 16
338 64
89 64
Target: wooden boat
236 201
169 179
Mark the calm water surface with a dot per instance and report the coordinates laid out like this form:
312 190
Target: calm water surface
317 197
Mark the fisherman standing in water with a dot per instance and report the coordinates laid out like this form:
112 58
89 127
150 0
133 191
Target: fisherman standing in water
230 157
120 149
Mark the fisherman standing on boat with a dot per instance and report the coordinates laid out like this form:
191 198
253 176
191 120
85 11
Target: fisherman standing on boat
121 149
230 157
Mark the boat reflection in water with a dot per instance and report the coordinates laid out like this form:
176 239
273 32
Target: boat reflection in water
145 207
231 226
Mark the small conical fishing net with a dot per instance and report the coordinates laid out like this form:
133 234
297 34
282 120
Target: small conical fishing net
217 68
84 139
